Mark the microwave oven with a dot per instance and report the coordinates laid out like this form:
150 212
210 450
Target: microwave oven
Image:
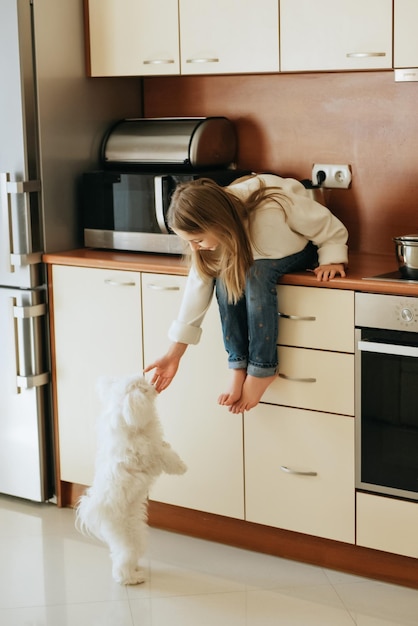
127 210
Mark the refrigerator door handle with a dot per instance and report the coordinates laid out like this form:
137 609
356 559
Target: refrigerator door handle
7 188
28 344
29 382
26 259
34 310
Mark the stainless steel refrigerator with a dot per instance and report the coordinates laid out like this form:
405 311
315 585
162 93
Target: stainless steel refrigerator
52 120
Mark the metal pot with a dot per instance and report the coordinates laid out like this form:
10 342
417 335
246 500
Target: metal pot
407 255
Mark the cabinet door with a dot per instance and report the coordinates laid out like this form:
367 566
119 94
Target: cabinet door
97 328
207 436
405 33
227 36
299 471
387 524
335 35
133 37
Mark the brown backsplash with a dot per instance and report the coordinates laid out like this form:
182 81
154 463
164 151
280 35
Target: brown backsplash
286 122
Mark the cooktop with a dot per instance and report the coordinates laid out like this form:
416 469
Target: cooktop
395 276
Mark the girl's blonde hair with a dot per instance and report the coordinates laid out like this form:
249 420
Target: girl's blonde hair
203 206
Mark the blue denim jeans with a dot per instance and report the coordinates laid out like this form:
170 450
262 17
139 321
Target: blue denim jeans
250 326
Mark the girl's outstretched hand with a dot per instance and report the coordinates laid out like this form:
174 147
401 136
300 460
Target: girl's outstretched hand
166 367
328 272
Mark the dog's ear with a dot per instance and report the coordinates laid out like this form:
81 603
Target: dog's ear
135 408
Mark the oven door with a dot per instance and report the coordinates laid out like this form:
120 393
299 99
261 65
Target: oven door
387 412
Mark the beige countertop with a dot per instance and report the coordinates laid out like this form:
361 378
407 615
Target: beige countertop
361 266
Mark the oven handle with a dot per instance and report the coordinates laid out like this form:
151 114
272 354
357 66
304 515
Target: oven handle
387 348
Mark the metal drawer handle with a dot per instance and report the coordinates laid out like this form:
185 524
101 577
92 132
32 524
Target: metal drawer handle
304 318
363 55
115 283
297 380
289 470
158 61
203 60
162 287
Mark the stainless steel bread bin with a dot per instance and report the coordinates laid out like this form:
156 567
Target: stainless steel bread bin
191 142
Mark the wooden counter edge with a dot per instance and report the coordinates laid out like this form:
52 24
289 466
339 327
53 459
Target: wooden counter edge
128 261
359 271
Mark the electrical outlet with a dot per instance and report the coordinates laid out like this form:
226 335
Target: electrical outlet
331 176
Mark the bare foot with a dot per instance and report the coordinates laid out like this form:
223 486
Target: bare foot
235 389
252 392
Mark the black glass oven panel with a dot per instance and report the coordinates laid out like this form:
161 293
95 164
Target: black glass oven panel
389 420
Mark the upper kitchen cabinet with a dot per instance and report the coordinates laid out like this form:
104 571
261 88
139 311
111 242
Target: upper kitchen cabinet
133 37
327 35
229 36
149 37
405 39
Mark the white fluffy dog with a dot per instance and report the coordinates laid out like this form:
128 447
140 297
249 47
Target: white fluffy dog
131 454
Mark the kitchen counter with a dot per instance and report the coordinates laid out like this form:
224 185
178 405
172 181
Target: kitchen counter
361 267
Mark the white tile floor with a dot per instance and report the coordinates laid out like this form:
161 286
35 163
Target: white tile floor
52 576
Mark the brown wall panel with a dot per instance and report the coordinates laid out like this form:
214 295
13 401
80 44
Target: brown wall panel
286 122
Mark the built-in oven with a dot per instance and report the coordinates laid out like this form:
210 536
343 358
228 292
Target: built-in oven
387 394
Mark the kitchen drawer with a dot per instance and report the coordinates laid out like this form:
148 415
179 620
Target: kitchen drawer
311 317
314 379
387 524
299 471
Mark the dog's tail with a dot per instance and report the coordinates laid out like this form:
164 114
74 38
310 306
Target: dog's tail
87 519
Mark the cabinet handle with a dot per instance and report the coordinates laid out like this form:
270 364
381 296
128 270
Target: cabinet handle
203 60
163 287
363 55
298 380
158 61
303 318
289 470
116 283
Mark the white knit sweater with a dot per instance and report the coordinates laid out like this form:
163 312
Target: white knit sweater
277 231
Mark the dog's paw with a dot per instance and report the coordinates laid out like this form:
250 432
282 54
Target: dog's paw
181 467
129 575
172 463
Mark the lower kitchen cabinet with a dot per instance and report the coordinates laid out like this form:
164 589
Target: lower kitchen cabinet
286 465
299 471
387 524
97 332
206 435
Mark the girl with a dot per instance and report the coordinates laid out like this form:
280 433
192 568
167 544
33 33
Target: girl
243 238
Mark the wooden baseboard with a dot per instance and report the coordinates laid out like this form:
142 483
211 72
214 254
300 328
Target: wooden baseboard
344 557
326 553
